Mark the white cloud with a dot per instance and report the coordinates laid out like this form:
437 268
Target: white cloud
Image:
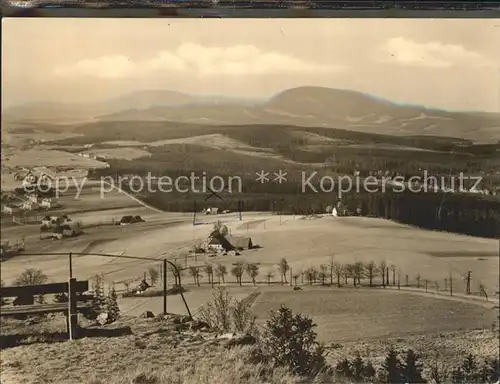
403 51
197 60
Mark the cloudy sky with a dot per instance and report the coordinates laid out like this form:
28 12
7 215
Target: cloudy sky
449 63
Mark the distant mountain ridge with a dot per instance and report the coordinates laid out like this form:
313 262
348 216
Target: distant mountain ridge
306 106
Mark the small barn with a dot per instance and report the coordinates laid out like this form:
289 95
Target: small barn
211 211
48 221
129 219
68 229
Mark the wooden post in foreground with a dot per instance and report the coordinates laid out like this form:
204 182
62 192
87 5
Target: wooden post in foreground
70 265
164 286
72 309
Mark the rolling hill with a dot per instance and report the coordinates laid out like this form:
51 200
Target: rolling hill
302 106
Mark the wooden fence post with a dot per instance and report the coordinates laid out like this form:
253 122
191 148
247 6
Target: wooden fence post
72 309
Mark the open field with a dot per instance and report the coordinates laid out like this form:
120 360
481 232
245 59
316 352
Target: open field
303 243
343 314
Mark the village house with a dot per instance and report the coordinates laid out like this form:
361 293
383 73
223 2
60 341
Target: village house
50 221
68 229
219 243
211 211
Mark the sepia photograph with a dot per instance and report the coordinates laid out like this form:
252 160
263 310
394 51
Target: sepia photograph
250 201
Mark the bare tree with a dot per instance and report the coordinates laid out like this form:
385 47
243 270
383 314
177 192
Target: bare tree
323 273
31 276
346 273
418 277
382 267
221 272
177 272
393 269
482 290
331 265
238 270
153 275
283 268
195 272
371 268
349 273
269 277
252 271
338 269
295 278
358 270
209 270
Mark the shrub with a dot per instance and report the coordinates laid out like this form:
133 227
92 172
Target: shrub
289 340
217 313
243 318
344 369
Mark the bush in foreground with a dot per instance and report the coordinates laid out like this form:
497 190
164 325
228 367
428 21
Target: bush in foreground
290 341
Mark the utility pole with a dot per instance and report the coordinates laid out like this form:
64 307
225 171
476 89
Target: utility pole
164 286
468 279
70 265
451 285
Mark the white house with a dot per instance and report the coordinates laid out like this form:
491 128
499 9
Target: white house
211 211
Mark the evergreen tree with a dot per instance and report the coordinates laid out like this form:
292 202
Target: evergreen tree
112 305
470 369
369 372
98 300
412 368
391 368
290 341
493 370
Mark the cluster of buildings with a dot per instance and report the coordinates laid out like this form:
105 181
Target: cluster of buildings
214 211
32 203
60 227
